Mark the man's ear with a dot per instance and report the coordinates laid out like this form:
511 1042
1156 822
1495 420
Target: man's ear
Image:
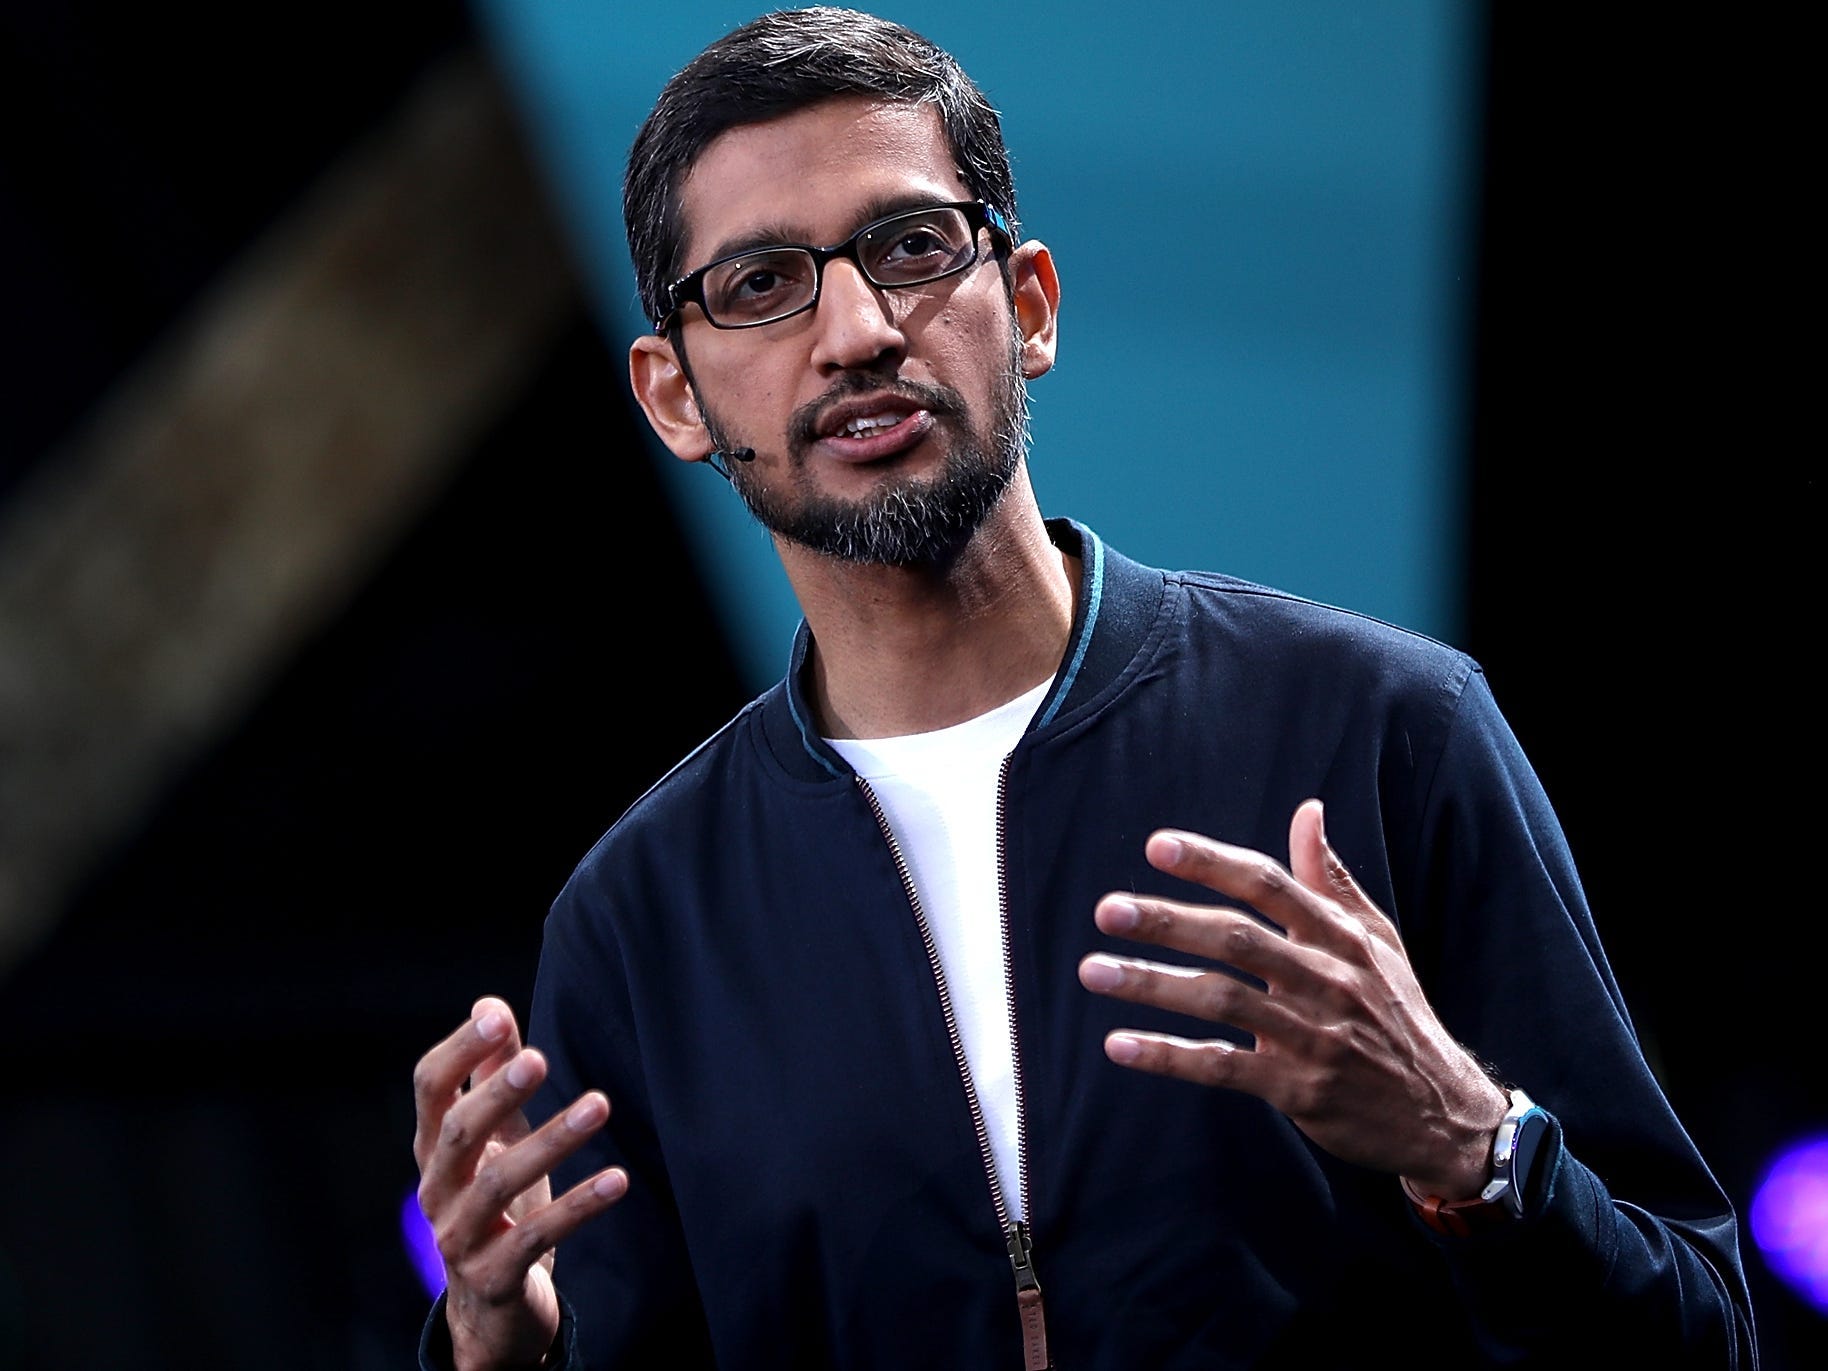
1036 292
665 395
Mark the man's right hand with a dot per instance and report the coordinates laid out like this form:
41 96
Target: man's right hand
483 1186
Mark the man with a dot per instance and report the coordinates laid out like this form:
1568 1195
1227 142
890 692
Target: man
1069 963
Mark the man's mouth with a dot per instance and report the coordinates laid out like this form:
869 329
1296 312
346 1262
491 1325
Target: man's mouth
873 427
865 424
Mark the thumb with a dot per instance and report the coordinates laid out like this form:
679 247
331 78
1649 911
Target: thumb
1318 867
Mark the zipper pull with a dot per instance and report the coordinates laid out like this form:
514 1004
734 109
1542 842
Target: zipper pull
1028 1297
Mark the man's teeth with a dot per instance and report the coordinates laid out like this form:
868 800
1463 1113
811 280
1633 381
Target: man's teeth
869 423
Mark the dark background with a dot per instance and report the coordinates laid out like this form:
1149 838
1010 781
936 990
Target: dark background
206 1104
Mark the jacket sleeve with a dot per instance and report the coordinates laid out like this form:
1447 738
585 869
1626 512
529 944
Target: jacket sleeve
1646 1261
625 1276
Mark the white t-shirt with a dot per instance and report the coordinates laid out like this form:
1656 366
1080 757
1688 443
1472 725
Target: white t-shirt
939 792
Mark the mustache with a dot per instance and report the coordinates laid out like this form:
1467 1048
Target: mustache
942 401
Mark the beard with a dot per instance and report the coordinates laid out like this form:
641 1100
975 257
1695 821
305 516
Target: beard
907 522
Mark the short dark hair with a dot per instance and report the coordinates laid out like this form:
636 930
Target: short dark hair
775 65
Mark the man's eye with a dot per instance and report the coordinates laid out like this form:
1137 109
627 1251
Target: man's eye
921 242
757 283
921 247
746 288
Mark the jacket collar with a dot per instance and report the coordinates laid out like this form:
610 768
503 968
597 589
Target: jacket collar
1116 606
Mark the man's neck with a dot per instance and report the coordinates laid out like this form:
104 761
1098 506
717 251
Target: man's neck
909 650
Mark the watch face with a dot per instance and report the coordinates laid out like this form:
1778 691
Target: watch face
1532 1129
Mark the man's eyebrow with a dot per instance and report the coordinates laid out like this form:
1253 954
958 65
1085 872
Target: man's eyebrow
756 238
780 233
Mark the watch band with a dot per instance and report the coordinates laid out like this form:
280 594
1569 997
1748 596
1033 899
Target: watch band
1461 1218
1500 1202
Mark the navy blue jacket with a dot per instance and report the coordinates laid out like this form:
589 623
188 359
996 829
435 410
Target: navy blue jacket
738 964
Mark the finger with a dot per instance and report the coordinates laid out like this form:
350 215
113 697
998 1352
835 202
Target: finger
508 1174
1230 936
490 1014
488 1113
494 1013
1209 1061
1213 995
497 1269
1317 866
584 1201
1251 877
440 1074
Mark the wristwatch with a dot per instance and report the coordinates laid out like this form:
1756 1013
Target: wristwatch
1514 1148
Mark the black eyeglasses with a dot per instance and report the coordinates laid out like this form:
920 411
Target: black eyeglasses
767 284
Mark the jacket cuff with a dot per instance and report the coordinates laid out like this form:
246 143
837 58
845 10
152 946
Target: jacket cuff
1515 1276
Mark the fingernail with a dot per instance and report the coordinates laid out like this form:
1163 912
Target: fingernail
1120 915
1122 1049
586 1113
610 1184
492 1026
1100 973
1171 850
520 1071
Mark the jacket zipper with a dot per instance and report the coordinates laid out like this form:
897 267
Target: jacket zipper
1016 1236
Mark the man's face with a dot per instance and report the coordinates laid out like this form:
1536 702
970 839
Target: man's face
885 423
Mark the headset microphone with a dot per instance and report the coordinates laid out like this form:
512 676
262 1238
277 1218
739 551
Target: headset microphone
720 460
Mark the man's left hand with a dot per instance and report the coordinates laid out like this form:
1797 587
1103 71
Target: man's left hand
1347 1046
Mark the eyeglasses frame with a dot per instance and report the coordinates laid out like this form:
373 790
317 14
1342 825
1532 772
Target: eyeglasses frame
689 289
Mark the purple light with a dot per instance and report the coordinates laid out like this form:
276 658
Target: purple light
421 1246
1790 1218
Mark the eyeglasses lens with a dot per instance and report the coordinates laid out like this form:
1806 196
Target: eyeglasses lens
760 287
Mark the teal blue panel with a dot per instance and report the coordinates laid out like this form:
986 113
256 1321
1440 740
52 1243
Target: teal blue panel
1262 214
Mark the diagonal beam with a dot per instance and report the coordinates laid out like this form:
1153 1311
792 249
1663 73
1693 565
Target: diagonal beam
233 492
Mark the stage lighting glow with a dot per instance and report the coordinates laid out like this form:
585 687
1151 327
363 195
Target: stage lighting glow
420 1245
1790 1219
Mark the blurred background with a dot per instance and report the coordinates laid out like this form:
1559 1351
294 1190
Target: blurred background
318 475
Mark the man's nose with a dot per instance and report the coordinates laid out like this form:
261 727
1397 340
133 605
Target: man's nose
857 328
